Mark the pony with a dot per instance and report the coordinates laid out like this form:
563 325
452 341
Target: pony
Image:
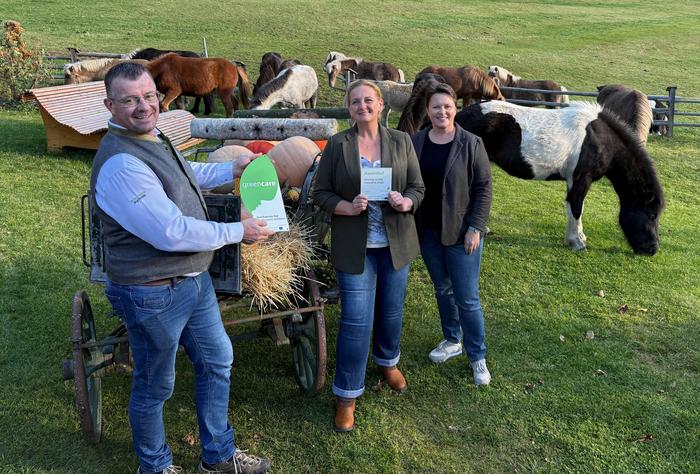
91 69
150 54
470 83
175 75
630 105
365 70
579 145
270 65
414 115
660 113
505 78
295 86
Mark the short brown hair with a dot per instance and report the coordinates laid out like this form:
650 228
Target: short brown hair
127 70
440 88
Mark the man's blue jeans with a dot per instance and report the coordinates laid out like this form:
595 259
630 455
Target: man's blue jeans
455 276
159 318
371 305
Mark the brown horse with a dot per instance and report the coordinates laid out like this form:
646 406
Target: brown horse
175 75
270 65
505 78
470 83
364 69
631 105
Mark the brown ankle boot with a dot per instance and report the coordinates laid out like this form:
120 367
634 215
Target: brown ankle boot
394 378
344 414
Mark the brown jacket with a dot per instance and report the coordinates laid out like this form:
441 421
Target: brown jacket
338 178
466 189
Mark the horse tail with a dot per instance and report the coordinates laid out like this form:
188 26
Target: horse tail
243 85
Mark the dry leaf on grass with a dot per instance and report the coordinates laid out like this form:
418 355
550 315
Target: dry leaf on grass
646 438
189 439
601 373
590 334
529 386
562 338
623 309
600 294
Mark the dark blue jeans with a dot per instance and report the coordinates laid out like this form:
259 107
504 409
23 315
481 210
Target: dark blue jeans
371 306
159 318
455 276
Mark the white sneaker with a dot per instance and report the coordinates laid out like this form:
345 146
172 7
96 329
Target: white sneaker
482 376
445 350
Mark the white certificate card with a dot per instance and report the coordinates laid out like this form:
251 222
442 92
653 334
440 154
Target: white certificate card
375 183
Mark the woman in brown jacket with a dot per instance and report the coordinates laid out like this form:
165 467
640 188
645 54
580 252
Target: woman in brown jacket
372 244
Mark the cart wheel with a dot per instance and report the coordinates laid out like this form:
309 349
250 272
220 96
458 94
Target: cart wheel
308 341
88 385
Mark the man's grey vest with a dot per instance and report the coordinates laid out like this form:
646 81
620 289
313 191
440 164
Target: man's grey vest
128 259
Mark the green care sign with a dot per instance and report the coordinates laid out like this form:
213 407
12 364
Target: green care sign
260 191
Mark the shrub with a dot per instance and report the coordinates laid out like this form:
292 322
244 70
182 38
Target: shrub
21 68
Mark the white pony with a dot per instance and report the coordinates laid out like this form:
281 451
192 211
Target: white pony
293 87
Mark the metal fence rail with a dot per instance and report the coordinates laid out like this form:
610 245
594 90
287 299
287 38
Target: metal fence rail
671 110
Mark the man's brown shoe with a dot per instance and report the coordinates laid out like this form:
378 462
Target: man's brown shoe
394 378
344 414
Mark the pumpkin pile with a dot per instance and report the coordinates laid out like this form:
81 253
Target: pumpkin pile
292 158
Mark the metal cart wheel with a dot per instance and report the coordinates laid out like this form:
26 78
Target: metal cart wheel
86 362
307 336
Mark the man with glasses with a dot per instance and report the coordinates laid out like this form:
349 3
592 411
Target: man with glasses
159 244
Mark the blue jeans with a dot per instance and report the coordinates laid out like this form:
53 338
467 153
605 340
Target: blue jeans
371 305
455 276
159 318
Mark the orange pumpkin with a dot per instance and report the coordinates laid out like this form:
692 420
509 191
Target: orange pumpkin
292 158
259 146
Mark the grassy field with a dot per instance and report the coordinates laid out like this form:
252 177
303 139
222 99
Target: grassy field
626 400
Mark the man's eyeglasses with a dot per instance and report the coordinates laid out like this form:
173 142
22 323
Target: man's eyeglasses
133 100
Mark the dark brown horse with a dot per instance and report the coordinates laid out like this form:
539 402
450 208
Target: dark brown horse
175 75
149 54
414 115
270 65
470 83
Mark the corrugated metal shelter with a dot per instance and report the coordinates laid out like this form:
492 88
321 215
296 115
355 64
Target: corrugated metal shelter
74 116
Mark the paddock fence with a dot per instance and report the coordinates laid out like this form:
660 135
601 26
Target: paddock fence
669 107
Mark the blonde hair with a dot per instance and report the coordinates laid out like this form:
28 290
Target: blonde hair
359 83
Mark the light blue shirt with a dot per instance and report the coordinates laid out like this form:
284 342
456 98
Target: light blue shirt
376 231
137 201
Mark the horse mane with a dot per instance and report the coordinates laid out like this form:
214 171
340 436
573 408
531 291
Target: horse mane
89 65
414 113
630 105
271 86
489 88
131 54
649 186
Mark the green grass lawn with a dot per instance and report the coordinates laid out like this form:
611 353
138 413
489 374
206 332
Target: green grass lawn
625 400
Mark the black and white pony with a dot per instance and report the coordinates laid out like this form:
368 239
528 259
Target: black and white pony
292 87
579 145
